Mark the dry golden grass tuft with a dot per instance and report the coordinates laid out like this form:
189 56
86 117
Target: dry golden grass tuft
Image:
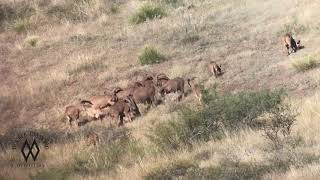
306 63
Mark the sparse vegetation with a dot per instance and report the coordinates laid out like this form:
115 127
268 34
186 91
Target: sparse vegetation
294 26
151 56
108 156
32 40
305 63
174 3
189 39
146 12
228 112
278 124
84 48
52 174
21 25
173 170
114 8
86 67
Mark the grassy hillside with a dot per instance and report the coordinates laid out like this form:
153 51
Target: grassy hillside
54 52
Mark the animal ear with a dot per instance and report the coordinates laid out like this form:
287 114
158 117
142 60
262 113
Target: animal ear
298 42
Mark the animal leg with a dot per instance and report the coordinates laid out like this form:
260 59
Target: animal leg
120 121
69 119
129 117
288 49
215 73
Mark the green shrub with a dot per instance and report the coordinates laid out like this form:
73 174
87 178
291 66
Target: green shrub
230 112
114 8
237 111
151 56
305 63
147 11
21 25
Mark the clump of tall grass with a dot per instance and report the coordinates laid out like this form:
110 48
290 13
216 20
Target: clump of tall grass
146 12
32 40
151 56
21 25
305 63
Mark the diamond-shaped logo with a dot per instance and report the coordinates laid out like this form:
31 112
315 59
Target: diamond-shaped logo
30 150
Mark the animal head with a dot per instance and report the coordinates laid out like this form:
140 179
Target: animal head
190 81
114 98
161 79
83 105
298 44
132 105
216 68
147 78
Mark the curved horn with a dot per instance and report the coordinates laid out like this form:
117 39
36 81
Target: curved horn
116 90
86 101
147 77
162 75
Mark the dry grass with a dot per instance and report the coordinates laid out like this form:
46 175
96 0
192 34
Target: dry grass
306 63
85 47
